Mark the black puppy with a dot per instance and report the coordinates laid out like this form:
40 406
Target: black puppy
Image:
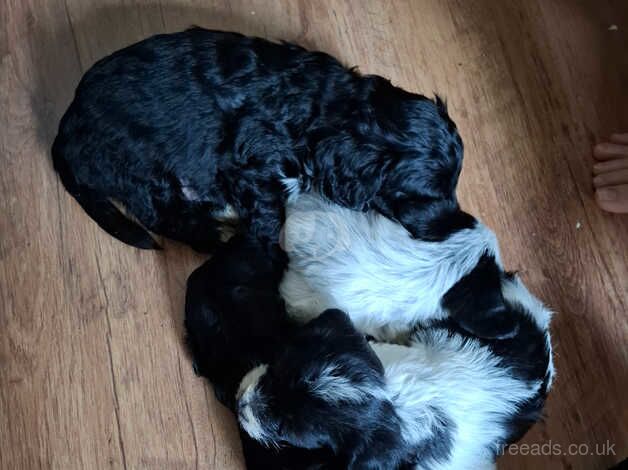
187 129
235 320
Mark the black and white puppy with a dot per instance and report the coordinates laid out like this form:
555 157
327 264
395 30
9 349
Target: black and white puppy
319 396
235 320
184 130
445 400
388 281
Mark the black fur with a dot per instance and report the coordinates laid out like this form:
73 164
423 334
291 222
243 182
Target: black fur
364 431
234 315
178 126
524 351
476 302
259 457
235 320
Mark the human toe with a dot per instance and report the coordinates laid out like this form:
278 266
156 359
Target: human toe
620 138
610 165
611 178
609 150
613 198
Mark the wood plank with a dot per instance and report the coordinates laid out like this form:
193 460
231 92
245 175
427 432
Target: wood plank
57 408
93 369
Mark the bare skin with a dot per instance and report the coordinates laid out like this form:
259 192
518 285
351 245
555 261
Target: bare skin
610 174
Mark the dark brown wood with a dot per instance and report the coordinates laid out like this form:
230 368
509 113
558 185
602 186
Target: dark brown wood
93 370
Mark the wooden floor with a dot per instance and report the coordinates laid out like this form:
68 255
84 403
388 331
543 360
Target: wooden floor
93 372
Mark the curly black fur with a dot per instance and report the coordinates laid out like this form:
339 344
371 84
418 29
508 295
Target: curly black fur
235 320
234 316
179 126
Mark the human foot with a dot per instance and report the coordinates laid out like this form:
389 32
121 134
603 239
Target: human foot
610 174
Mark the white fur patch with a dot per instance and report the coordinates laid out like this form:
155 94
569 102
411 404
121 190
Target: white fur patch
246 393
227 218
514 291
250 380
292 186
252 425
440 375
189 193
370 266
228 213
330 385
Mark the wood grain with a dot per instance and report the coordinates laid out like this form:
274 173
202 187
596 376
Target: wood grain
93 370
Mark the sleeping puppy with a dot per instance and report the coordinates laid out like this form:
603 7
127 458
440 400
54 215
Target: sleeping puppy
186 130
446 400
386 280
319 396
235 320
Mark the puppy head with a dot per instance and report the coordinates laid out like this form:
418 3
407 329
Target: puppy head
326 386
418 188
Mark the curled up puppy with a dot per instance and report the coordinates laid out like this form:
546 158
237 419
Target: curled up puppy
321 396
445 400
184 130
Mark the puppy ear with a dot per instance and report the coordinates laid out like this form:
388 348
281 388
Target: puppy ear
441 105
477 304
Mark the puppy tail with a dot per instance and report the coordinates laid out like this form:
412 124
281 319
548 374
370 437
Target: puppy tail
102 210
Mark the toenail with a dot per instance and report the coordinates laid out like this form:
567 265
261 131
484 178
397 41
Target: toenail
606 194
